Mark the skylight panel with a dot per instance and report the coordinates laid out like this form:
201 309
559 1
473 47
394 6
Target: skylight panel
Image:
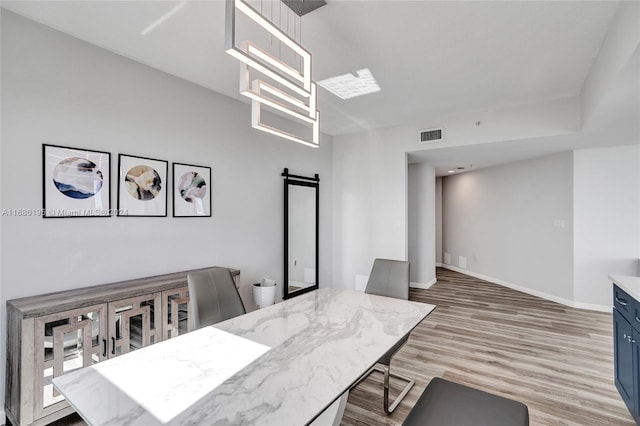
351 85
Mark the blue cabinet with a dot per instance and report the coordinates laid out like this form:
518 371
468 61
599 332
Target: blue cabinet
636 374
623 359
626 349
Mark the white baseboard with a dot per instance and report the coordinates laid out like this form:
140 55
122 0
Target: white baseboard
592 307
423 286
547 296
440 265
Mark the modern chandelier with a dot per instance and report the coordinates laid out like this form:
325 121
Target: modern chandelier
275 70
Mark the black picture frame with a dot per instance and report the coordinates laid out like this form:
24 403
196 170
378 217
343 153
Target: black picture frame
190 203
143 184
69 178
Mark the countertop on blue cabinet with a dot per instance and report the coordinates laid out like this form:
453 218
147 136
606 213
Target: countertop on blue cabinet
627 283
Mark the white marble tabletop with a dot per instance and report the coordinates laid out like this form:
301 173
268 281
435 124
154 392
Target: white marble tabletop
629 284
282 365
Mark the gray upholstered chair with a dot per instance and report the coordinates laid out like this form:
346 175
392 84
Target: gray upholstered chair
390 278
213 297
446 403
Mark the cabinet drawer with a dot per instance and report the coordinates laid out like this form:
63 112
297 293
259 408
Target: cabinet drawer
628 307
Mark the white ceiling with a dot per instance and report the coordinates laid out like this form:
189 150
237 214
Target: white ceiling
431 58
616 122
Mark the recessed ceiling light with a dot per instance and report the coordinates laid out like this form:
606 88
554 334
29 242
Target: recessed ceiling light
163 18
350 85
451 171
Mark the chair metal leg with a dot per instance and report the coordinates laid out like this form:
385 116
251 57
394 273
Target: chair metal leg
387 373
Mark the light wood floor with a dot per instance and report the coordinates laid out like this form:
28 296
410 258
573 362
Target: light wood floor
555 359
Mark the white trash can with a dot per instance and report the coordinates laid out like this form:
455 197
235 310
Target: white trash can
264 293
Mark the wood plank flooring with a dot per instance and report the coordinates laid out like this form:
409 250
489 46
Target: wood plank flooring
557 360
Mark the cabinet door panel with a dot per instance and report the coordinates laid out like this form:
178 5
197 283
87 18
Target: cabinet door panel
176 312
624 358
134 323
64 342
636 375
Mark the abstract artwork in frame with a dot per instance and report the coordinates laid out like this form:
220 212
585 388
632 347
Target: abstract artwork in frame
191 190
75 182
142 186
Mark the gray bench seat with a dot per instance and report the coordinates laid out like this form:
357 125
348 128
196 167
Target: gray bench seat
444 403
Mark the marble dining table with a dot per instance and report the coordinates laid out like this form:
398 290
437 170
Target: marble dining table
281 365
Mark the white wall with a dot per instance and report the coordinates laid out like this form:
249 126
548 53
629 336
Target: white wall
57 89
370 175
503 220
606 220
370 203
3 338
439 220
422 223
352 185
352 204
389 195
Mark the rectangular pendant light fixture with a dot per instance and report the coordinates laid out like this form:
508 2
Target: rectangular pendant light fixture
256 123
274 31
296 95
266 71
248 89
258 101
254 50
256 95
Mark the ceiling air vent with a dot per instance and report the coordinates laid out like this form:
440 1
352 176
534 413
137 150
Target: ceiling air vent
433 135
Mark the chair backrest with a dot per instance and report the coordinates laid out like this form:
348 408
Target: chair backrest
214 297
389 278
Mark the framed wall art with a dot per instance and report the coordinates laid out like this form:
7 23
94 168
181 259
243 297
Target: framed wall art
75 182
142 186
191 190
